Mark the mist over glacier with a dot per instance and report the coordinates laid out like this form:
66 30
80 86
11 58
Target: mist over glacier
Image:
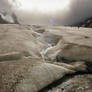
77 11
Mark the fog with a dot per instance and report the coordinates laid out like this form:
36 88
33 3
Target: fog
77 11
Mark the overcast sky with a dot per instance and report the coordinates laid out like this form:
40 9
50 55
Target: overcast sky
75 11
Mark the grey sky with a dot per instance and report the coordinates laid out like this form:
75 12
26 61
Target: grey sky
78 10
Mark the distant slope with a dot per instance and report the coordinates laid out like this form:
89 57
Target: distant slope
86 23
2 21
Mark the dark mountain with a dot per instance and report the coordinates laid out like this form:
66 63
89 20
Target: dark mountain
2 21
86 23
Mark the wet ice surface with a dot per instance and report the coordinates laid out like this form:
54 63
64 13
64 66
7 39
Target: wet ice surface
33 43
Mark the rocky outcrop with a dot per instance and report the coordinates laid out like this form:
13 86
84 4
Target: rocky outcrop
79 83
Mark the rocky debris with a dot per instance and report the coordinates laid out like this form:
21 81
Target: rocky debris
12 72
79 83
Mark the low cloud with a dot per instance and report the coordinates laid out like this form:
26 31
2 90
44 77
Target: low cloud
79 10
